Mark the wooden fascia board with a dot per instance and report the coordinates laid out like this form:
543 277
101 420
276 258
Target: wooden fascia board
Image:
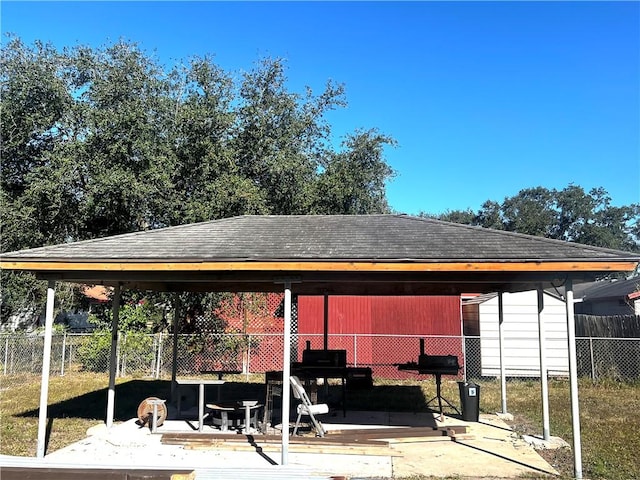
328 266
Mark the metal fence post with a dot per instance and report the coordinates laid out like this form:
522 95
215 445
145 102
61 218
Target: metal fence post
64 347
593 366
464 364
248 357
159 364
118 370
355 349
33 355
6 353
13 349
124 355
70 352
153 364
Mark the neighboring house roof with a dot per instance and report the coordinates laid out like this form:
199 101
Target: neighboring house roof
396 250
98 293
608 289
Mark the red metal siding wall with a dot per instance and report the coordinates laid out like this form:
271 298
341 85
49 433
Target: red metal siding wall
414 315
310 314
417 315
405 315
347 315
382 315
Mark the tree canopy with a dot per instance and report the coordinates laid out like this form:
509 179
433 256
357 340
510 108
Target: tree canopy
103 141
570 214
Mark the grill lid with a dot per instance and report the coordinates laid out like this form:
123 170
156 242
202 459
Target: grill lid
438 361
324 358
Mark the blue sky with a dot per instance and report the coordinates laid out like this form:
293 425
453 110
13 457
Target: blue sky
484 98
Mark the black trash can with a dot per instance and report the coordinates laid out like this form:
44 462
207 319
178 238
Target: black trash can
470 401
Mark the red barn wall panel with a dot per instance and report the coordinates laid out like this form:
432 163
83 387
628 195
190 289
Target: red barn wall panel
417 315
350 314
347 314
310 314
382 315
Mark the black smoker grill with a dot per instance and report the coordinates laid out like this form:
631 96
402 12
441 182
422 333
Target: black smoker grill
323 364
437 365
324 359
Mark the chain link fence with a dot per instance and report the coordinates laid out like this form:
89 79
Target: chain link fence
611 358
151 355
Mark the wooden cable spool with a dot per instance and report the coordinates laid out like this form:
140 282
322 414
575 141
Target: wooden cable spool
145 411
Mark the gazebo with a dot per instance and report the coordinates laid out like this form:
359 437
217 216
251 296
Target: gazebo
322 255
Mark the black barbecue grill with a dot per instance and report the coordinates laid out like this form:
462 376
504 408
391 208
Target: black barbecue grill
324 358
325 364
436 365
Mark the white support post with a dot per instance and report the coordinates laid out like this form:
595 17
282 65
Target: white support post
286 372
503 376
544 384
174 355
573 381
46 367
111 394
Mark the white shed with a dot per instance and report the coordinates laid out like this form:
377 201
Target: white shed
520 330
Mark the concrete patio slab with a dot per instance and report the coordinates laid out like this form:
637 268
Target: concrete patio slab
489 449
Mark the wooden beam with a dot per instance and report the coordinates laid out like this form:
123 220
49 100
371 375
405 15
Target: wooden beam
329 266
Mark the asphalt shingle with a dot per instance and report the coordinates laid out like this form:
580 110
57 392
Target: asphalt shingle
383 238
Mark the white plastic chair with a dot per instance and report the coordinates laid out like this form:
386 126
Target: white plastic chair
305 407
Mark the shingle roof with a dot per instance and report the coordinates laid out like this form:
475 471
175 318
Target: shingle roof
607 289
381 238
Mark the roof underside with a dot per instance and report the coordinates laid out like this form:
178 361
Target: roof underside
375 254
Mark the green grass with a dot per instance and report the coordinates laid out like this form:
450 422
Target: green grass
610 413
609 420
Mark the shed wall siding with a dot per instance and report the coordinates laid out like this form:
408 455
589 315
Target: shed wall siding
520 327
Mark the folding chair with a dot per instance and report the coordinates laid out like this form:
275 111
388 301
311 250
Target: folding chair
305 407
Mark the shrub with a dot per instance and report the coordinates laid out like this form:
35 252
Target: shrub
94 352
135 344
